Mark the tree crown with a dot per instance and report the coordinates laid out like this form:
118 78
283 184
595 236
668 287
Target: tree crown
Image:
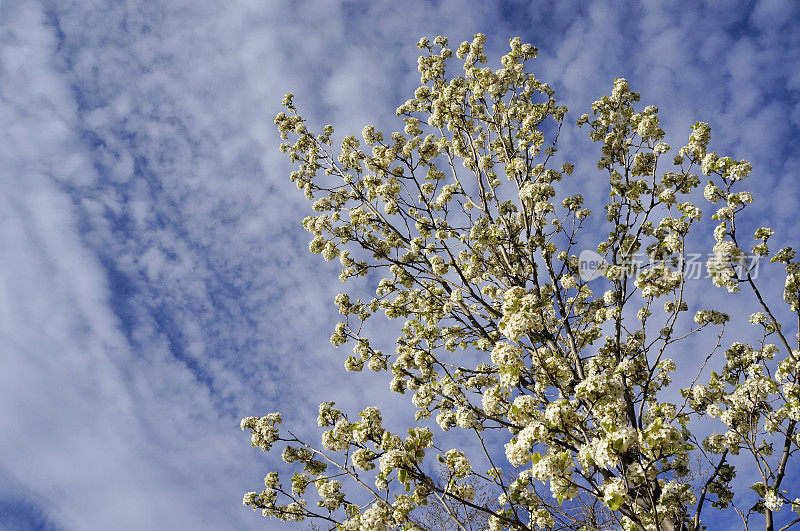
462 220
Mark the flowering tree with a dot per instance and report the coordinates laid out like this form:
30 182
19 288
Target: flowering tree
565 392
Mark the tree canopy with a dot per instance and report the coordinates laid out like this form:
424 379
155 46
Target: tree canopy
524 318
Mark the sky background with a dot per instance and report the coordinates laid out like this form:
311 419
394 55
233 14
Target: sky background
155 284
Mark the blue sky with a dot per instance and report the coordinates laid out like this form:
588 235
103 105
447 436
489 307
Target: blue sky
155 284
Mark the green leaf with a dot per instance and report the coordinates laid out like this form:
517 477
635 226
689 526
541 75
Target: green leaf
615 502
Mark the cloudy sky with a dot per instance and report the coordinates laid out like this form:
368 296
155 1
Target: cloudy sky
154 280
